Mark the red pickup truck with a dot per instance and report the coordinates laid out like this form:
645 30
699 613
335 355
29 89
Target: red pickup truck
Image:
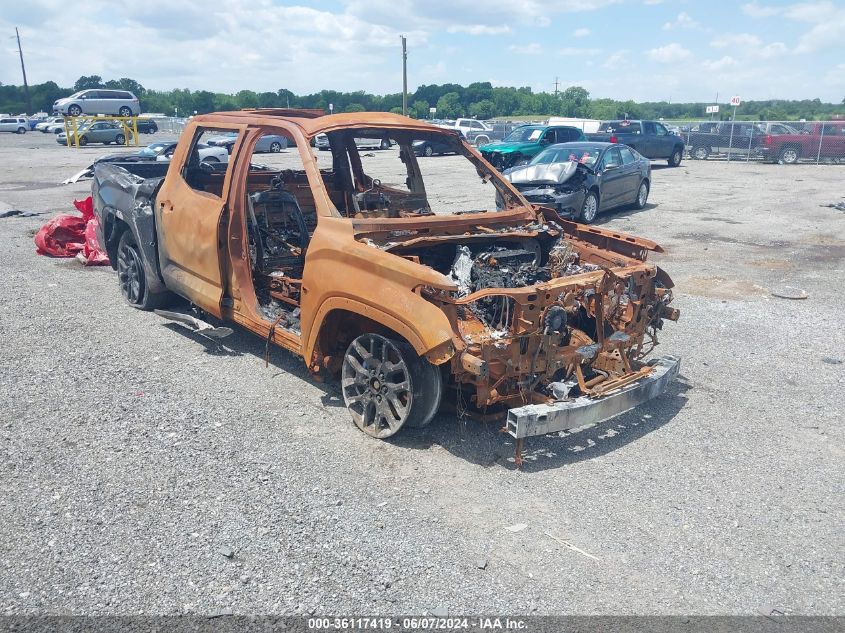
819 140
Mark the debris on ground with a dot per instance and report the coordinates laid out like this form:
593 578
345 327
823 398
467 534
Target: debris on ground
516 528
788 292
18 213
226 551
830 360
839 206
72 236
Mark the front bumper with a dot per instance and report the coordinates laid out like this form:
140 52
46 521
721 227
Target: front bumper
539 419
567 205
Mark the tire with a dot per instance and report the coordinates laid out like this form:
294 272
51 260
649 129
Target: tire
789 155
152 129
210 159
120 139
428 151
385 144
275 147
125 111
386 385
83 140
74 110
21 130
642 195
700 152
106 142
132 277
481 140
675 158
590 208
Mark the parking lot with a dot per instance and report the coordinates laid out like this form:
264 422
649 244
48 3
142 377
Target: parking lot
144 470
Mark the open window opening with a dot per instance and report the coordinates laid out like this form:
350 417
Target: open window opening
384 173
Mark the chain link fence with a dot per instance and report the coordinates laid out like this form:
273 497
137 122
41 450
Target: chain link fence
784 142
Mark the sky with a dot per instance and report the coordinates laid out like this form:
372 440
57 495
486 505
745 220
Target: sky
646 50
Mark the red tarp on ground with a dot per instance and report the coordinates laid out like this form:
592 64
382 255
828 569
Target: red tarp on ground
71 236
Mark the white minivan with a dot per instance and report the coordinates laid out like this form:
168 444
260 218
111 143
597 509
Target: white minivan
17 124
99 101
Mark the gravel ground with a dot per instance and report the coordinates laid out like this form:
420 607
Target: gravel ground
143 471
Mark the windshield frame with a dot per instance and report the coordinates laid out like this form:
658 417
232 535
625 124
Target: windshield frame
521 131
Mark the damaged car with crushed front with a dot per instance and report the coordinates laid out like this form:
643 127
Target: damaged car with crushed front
408 288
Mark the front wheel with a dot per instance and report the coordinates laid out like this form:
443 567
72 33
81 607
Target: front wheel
74 110
387 385
590 208
429 150
21 130
275 147
120 139
481 140
125 111
385 144
210 159
83 140
642 195
675 158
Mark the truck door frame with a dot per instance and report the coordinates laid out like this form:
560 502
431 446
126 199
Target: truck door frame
190 224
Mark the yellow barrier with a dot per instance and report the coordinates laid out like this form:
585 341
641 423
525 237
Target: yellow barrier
76 124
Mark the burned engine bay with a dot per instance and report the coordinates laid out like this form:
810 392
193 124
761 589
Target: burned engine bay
543 311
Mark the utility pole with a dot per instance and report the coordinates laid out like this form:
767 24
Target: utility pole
557 83
404 75
23 70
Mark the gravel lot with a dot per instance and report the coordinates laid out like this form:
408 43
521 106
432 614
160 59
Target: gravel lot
144 472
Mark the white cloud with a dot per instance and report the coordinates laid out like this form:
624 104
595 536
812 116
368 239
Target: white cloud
578 52
683 21
617 60
757 10
669 54
526 49
731 40
720 64
480 29
582 32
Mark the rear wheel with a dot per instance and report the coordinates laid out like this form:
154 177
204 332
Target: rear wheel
675 158
481 140
642 195
275 147
385 144
132 277
74 110
789 155
700 153
125 111
83 140
387 385
21 130
120 139
428 151
210 159
590 208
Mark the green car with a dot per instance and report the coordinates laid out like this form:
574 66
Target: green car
525 142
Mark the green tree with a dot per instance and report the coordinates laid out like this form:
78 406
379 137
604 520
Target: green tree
419 109
247 99
88 82
449 106
484 109
354 107
576 102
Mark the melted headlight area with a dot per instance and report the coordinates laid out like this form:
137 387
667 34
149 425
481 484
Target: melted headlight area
536 324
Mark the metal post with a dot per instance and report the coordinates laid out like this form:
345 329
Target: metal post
731 139
23 70
821 138
404 76
750 136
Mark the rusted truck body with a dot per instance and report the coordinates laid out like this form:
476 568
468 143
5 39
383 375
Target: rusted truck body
410 292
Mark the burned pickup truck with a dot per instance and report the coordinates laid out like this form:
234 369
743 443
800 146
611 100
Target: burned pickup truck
408 289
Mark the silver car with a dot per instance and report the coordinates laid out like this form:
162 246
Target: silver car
272 143
16 124
106 132
113 102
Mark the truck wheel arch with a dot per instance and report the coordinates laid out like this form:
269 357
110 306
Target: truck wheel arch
340 318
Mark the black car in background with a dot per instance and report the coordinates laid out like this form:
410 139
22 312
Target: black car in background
580 180
652 139
429 147
147 126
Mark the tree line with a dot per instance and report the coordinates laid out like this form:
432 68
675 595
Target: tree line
478 100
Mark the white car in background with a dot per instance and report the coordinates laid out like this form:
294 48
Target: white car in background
42 127
16 124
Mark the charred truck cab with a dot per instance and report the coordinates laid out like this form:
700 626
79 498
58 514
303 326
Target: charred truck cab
408 289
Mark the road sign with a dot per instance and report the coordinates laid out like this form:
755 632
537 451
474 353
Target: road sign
432 110
711 109
331 107
736 101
